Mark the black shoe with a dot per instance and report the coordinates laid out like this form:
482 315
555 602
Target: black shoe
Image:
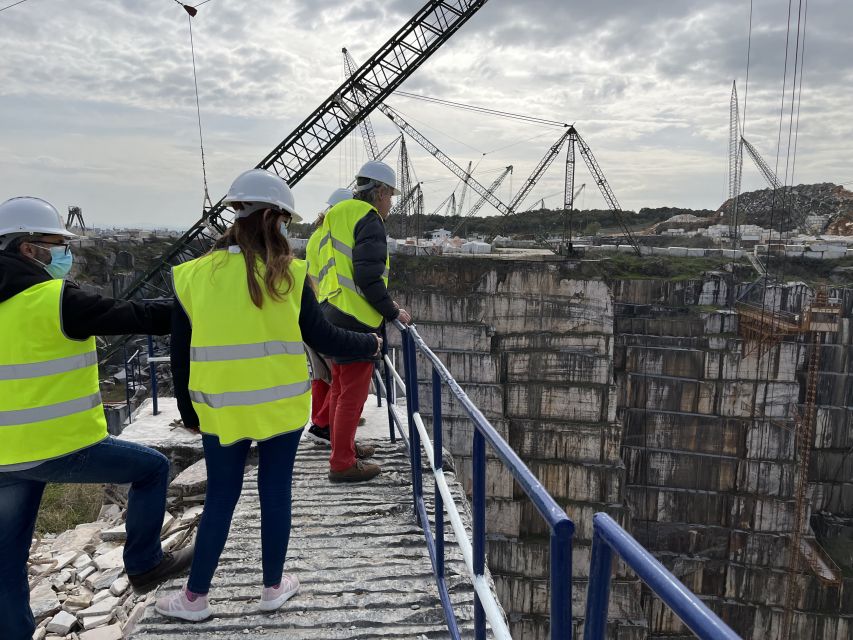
172 564
319 435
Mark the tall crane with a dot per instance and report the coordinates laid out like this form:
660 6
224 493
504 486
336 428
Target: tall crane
404 183
365 125
75 216
338 115
460 205
735 164
479 204
448 204
600 181
407 201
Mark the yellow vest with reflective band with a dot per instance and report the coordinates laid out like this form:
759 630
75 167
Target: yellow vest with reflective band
337 275
50 401
312 256
248 371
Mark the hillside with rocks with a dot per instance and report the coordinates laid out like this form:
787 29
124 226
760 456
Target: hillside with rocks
816 208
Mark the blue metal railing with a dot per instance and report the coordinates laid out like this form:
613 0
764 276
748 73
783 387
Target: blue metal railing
609 537
413 433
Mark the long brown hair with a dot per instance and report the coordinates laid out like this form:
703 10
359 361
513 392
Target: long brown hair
266 252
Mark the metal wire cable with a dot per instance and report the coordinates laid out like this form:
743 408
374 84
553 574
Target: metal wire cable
14 4
478 109
207 200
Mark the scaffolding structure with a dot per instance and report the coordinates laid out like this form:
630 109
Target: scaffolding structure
768 327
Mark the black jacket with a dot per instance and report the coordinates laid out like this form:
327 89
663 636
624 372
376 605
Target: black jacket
85 314
368 262
316 332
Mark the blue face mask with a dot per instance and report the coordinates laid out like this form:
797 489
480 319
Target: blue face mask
60 263
283 228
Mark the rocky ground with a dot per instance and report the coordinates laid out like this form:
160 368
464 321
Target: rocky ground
78 588
790 206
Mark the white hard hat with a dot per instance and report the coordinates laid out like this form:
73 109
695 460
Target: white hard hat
378 172
339 195
29 216
261 186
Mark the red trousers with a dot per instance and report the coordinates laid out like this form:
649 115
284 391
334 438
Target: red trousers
350 386
320 403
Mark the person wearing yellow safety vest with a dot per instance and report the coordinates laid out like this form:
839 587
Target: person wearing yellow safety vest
241 375
52 425
353 285
321 373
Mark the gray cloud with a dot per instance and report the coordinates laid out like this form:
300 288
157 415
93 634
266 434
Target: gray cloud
98 107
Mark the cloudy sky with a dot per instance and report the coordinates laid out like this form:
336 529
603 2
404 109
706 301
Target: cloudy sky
97 106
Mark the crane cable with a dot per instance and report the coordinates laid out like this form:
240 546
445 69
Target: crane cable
478 109
191 12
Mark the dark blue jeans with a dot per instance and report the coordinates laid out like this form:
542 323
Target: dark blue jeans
110 461
225 469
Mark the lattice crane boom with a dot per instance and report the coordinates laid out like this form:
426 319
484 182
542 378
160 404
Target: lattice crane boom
479 204
734 145
366 126
543 165
763 167
439 155
604 187
409 199
434 23
460 206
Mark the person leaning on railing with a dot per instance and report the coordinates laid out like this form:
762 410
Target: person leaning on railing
240 375
52 424
353 284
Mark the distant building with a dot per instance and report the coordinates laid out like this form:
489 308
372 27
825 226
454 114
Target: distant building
439 235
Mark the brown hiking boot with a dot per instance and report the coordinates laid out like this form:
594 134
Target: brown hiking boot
363 451
359 472
173 563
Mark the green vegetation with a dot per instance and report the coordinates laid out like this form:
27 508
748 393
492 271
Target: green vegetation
530 224
628 266
64 506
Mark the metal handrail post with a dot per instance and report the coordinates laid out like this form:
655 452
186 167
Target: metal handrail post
561 580
479 526
439 463
598 591
390 388
152 371
411 399
416 442
695 614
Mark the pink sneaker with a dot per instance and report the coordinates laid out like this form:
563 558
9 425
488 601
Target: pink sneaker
274 597
178 605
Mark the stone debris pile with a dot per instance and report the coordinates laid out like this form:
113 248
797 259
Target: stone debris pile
78 588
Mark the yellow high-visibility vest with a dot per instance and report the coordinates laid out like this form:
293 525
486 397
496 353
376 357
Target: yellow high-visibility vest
312 256
336 275
248 371
50 400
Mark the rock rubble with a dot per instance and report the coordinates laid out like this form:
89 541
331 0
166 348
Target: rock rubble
78 587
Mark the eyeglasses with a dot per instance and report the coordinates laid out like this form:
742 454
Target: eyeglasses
55 244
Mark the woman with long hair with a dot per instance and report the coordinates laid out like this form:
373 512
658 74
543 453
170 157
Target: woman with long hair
241 375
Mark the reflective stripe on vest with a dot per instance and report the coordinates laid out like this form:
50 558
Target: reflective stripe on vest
50 401
335 252
248 371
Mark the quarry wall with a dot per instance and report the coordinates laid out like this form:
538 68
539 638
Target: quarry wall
638 397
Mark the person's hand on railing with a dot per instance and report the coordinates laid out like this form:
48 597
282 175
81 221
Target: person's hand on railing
405 317
378 352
